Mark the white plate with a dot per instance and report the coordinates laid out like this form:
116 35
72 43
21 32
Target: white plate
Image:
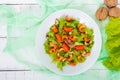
41 37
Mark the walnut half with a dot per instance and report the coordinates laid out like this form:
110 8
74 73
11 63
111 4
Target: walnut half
102 13
111 3
114 12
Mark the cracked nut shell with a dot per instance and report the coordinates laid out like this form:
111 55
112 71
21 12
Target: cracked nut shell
111 3
102 13
114 12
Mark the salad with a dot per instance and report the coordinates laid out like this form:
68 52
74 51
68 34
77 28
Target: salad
68 42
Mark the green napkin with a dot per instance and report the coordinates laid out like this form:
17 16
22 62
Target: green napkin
21 33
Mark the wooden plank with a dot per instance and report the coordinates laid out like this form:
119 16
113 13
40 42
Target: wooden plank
22 75
28 75
18 2
34 2
19 8
2 44
6 61
3 31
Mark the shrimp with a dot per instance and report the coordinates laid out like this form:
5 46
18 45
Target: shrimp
72 38
70 57
85 54
81 27
52 50
79 58
60 50
68 18
60 58
53 47
86 38
64 37
73 63
54 29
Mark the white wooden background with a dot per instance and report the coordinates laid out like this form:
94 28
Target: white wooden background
9 68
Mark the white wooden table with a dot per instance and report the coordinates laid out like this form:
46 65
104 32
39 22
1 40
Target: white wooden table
9 68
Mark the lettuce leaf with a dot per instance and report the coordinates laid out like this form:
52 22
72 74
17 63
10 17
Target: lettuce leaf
46 46
62 23
89 33
80 38
60 65
113 28
113 44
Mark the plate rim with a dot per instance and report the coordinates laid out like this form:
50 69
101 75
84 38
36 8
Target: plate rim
100 46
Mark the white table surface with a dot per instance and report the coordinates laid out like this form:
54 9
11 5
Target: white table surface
9 68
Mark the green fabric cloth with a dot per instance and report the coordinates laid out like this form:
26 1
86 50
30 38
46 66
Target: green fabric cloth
21 33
